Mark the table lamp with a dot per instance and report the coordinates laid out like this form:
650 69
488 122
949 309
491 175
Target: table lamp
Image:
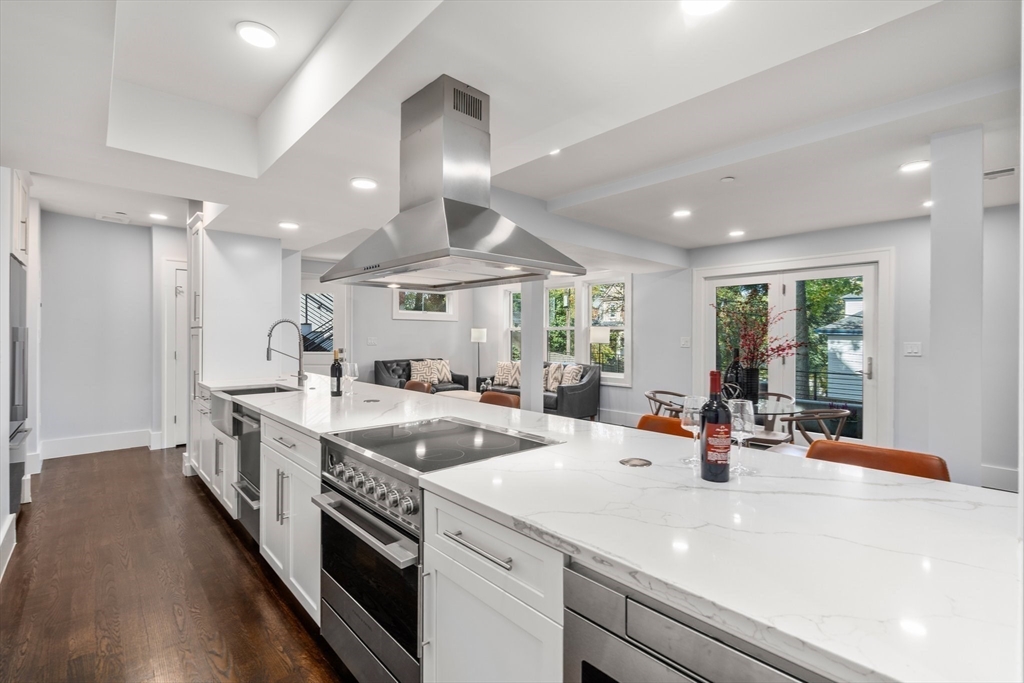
478 335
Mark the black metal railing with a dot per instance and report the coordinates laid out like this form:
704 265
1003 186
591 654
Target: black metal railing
823 385
317 313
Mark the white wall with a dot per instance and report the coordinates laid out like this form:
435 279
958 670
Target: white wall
291 289
489 306
166 244
396 339
97 364
7 527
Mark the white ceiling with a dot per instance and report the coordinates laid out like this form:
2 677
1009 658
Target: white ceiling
189 49
575 75
77 198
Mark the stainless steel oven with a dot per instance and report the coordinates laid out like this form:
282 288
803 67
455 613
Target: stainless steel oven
245 427
612 634
370 588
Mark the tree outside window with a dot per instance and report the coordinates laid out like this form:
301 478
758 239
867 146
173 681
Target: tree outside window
608 309
515 326
561 324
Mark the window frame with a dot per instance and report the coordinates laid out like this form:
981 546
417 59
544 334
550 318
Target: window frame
574 328
510 327
451 315
623 379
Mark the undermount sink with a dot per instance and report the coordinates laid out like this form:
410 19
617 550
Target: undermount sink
269 389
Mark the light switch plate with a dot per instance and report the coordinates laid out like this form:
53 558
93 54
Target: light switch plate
371 341
684 342
912 349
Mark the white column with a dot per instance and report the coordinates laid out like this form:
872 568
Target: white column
955 391
531 392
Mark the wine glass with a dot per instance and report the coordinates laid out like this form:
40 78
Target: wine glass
349 373
689 419
742 428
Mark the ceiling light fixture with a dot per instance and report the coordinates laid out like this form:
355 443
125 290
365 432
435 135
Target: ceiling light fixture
364 183
681 213
512 268
728 179
736 233
554 152
928 204
394 285
700 8
912 166
256 34
288 226
158 216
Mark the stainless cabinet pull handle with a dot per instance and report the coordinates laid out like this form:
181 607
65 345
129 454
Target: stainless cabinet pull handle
217 452
505 564
283 442
284 513
277 500
195 305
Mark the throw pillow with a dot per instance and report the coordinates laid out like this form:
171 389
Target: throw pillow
422 371
572 374
513 380
504 373
555 371
443 371
544 381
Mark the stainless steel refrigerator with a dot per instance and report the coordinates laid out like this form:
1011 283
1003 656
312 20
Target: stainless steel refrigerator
19 353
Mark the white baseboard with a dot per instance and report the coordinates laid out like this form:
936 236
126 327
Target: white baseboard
26 489
619 417
59 448
1002 478
186 466
8 533
33 464
156 441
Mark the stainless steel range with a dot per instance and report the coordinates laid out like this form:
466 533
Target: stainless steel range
371 516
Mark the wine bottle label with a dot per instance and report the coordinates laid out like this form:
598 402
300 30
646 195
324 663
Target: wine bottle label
719 442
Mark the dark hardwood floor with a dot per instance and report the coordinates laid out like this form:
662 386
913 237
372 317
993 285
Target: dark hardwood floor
125 571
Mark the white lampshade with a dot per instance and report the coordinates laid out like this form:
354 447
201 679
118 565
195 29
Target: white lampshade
478 334
600 335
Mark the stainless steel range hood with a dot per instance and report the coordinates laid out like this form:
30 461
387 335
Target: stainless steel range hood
445 236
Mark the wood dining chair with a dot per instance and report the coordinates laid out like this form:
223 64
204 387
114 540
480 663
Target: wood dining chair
413 385
876 458
659 400
767 436
664 425
497 398
818 417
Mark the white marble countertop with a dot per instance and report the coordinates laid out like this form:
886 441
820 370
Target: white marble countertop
855 574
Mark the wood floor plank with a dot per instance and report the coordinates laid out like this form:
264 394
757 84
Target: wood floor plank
125 571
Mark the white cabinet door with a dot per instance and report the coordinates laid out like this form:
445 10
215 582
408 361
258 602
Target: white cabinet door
195 271
302 520
19 216
476 632
229 474
273 531
221 443
195 437
206 446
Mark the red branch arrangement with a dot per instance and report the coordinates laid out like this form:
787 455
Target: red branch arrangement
750 325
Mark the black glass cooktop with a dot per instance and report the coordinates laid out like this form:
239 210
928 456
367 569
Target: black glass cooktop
436 444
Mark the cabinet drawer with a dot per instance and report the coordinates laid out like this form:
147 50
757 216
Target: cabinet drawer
297 447
521 566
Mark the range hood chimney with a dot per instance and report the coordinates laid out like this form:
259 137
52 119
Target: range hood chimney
445 236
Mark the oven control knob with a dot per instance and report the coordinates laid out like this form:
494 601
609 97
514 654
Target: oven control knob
380 492
348 474
392 497
358 480
408 506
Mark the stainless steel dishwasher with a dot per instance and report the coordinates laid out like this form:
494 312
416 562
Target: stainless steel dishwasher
614 634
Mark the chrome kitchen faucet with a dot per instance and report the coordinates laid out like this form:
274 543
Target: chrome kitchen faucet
270 333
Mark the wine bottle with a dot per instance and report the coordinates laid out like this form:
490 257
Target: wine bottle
734 373
336 375
715 434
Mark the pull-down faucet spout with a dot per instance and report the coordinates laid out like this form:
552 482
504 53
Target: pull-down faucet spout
298 330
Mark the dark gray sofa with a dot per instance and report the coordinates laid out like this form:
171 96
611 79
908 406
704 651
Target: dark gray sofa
395 373
580 401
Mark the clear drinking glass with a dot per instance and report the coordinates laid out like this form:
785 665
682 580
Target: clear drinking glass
349 374
689 418
742 428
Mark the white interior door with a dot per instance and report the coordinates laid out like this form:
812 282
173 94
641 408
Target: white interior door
180 365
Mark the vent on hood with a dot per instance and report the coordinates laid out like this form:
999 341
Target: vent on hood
445 235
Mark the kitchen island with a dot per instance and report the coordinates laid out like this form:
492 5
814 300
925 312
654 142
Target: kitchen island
851 574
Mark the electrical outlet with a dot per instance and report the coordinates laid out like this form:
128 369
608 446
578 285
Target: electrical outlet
912 349
684 342
371 341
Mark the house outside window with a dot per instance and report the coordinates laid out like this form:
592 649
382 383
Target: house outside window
608 308
408 304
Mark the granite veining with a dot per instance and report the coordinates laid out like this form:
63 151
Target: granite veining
852 573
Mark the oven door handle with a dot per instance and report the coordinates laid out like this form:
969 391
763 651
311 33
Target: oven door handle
352 518
245 419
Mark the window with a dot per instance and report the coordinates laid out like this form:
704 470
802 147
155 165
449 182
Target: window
560 326
515 332
413 305
608 304
316 320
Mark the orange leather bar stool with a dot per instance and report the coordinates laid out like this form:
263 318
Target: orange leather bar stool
664 425
873 457
497 398
413 385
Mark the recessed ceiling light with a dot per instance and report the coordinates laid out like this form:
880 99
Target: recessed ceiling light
681 213
728 179
928 204
512 268
700 8
158 216
364 183
256 34
288 226
736 233
554 152
912 166
394 285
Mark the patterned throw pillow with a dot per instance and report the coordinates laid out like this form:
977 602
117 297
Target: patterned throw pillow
544 381
443 371
555 371
517 374
504 373
422 371
572 374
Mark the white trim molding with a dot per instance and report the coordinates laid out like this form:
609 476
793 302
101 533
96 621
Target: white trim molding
166 337
95 443
996 477
8 539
